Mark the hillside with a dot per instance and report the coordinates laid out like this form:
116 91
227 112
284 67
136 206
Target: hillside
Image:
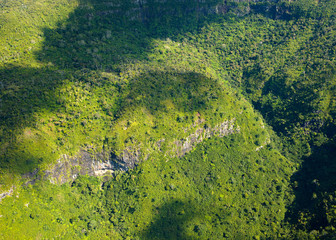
167 119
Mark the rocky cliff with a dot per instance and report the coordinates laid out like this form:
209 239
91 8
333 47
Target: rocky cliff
106 163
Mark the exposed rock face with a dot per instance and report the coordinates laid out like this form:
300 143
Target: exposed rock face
105 163
98 164
184 146
8 193
84 163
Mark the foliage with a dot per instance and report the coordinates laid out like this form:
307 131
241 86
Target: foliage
113 75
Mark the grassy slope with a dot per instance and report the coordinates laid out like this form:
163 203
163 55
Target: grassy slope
218 190
88 82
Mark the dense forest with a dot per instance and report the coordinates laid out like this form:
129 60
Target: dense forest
167 119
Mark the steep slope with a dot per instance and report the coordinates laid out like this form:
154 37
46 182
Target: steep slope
169 89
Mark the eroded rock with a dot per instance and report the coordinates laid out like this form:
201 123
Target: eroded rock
6 194
104 163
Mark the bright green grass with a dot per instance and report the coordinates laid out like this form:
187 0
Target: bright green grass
72 77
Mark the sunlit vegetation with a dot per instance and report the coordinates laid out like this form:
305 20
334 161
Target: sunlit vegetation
115 75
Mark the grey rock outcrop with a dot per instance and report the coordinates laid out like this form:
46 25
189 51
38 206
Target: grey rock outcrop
184 146
84 163
104 163
6 194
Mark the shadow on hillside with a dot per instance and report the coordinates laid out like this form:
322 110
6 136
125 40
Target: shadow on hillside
186 91
105 35
312 184
100 36
172 221
24 93
97 36
28 99
284 104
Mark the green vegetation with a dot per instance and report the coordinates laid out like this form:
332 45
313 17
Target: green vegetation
217 190
115 75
